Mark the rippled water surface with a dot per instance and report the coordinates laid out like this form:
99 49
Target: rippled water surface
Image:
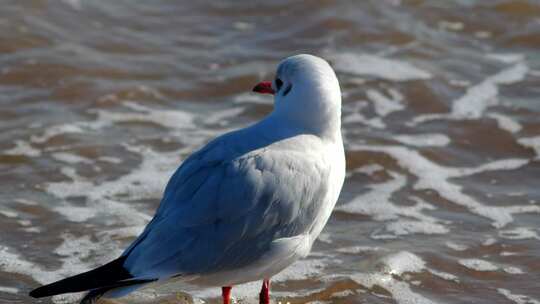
101 100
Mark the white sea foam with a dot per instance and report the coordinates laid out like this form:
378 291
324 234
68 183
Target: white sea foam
76 255
520 233
110 159
376 201
505 122
251 98
8 213
170 119
483 265
424 140
432 176
384 276
489 241
444 275
401 262
376 66
359 249
516 298
478 264
405 219
144 182
513 270
404 227
355 116
9 289
25 202
478 98
451 26
507 57
56 130
531 142
23 148
71 158
383 104
369 169
342 294
455 246
13 262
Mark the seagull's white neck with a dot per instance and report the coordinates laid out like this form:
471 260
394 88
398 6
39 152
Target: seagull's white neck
312 109
322 122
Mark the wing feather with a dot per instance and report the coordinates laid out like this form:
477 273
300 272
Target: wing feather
223 213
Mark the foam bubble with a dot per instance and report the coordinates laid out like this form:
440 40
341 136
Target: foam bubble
383 104
531 142
342 294
455 246
110 159
519 233
444 275
25 202
376 66
359 249
170 119
8 213
424 140
401 262
507 57
370 169
478 98
505 122
56 130
70 158
9 289
23 148
357 117
483 265
489 241
478 264
512 270
518 299
253 99
404 227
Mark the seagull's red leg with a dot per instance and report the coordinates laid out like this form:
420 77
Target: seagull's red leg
226 294
264 296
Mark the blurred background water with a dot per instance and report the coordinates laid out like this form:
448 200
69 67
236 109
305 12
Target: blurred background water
101 100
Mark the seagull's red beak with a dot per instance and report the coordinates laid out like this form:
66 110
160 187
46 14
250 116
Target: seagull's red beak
264 87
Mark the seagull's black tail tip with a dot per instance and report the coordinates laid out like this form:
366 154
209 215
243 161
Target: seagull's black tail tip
107 275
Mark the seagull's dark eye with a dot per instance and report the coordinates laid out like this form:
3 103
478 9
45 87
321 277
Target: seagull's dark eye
287 90
279 83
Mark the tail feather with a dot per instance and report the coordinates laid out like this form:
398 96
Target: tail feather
108 276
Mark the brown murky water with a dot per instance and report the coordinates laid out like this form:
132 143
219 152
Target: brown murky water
101 100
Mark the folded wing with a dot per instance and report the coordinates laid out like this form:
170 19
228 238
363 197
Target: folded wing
222 213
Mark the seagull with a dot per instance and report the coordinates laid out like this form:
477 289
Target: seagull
245 206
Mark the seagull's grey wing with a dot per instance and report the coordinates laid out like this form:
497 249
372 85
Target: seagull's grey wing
219 214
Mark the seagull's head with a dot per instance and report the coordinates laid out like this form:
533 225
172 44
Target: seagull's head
306 93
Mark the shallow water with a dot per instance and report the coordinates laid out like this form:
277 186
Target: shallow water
101 100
